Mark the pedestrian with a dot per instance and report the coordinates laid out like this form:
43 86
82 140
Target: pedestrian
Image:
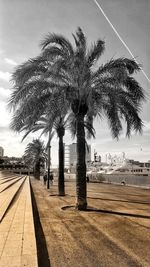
51 178
87 179
45 178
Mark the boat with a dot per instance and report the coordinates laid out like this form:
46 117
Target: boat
125 173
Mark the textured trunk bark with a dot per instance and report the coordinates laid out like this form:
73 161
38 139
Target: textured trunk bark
61 186
81 189
48 163
37 171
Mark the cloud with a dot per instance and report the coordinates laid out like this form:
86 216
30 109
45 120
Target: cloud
5 115
4 128
10 61
1 52
4 94
6 76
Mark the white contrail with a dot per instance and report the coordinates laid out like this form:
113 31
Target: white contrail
120 38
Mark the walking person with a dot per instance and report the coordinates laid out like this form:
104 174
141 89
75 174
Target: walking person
51 178
45 178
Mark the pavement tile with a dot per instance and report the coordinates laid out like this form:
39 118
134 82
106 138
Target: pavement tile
15 237
10 261
29 260
4 227
13 243
12 250
28 250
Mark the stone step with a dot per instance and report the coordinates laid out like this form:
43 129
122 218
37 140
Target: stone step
17 233
8 184
7 196
6 180
8 176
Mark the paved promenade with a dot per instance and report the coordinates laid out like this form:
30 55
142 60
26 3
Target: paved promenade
114 232
17 234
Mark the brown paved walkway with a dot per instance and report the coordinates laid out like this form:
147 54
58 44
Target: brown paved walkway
96 238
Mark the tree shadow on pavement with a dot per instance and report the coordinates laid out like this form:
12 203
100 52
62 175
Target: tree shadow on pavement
118 200
42 252
92 209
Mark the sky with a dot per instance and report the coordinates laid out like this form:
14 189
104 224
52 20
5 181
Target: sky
24 23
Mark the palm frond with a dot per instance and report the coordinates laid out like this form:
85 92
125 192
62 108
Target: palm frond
30 90
56 39
51 135
88 124
28 70
71 124
129 66
81 38
95 52
29 113
87 146
135 89
130 112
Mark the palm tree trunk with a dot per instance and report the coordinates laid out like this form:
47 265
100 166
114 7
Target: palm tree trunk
48 163
37 170
81 189
61 186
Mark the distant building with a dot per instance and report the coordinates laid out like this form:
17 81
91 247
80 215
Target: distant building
138 163
97 158
1 151
71 155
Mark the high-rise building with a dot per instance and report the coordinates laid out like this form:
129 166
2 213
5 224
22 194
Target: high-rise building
71 154
1 151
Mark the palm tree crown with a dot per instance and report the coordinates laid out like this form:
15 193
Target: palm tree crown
35 155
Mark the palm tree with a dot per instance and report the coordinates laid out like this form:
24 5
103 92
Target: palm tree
54 117
108 90
34 96
73 74
59 125
35 155
46 124
50 136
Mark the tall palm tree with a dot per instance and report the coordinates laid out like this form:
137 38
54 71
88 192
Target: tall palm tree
34 96
48 147
73 73
54 114
59 126
35 155
46 123
92 90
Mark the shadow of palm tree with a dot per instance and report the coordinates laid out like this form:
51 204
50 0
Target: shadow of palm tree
127 194
92 209
117 200
42 252
120 200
